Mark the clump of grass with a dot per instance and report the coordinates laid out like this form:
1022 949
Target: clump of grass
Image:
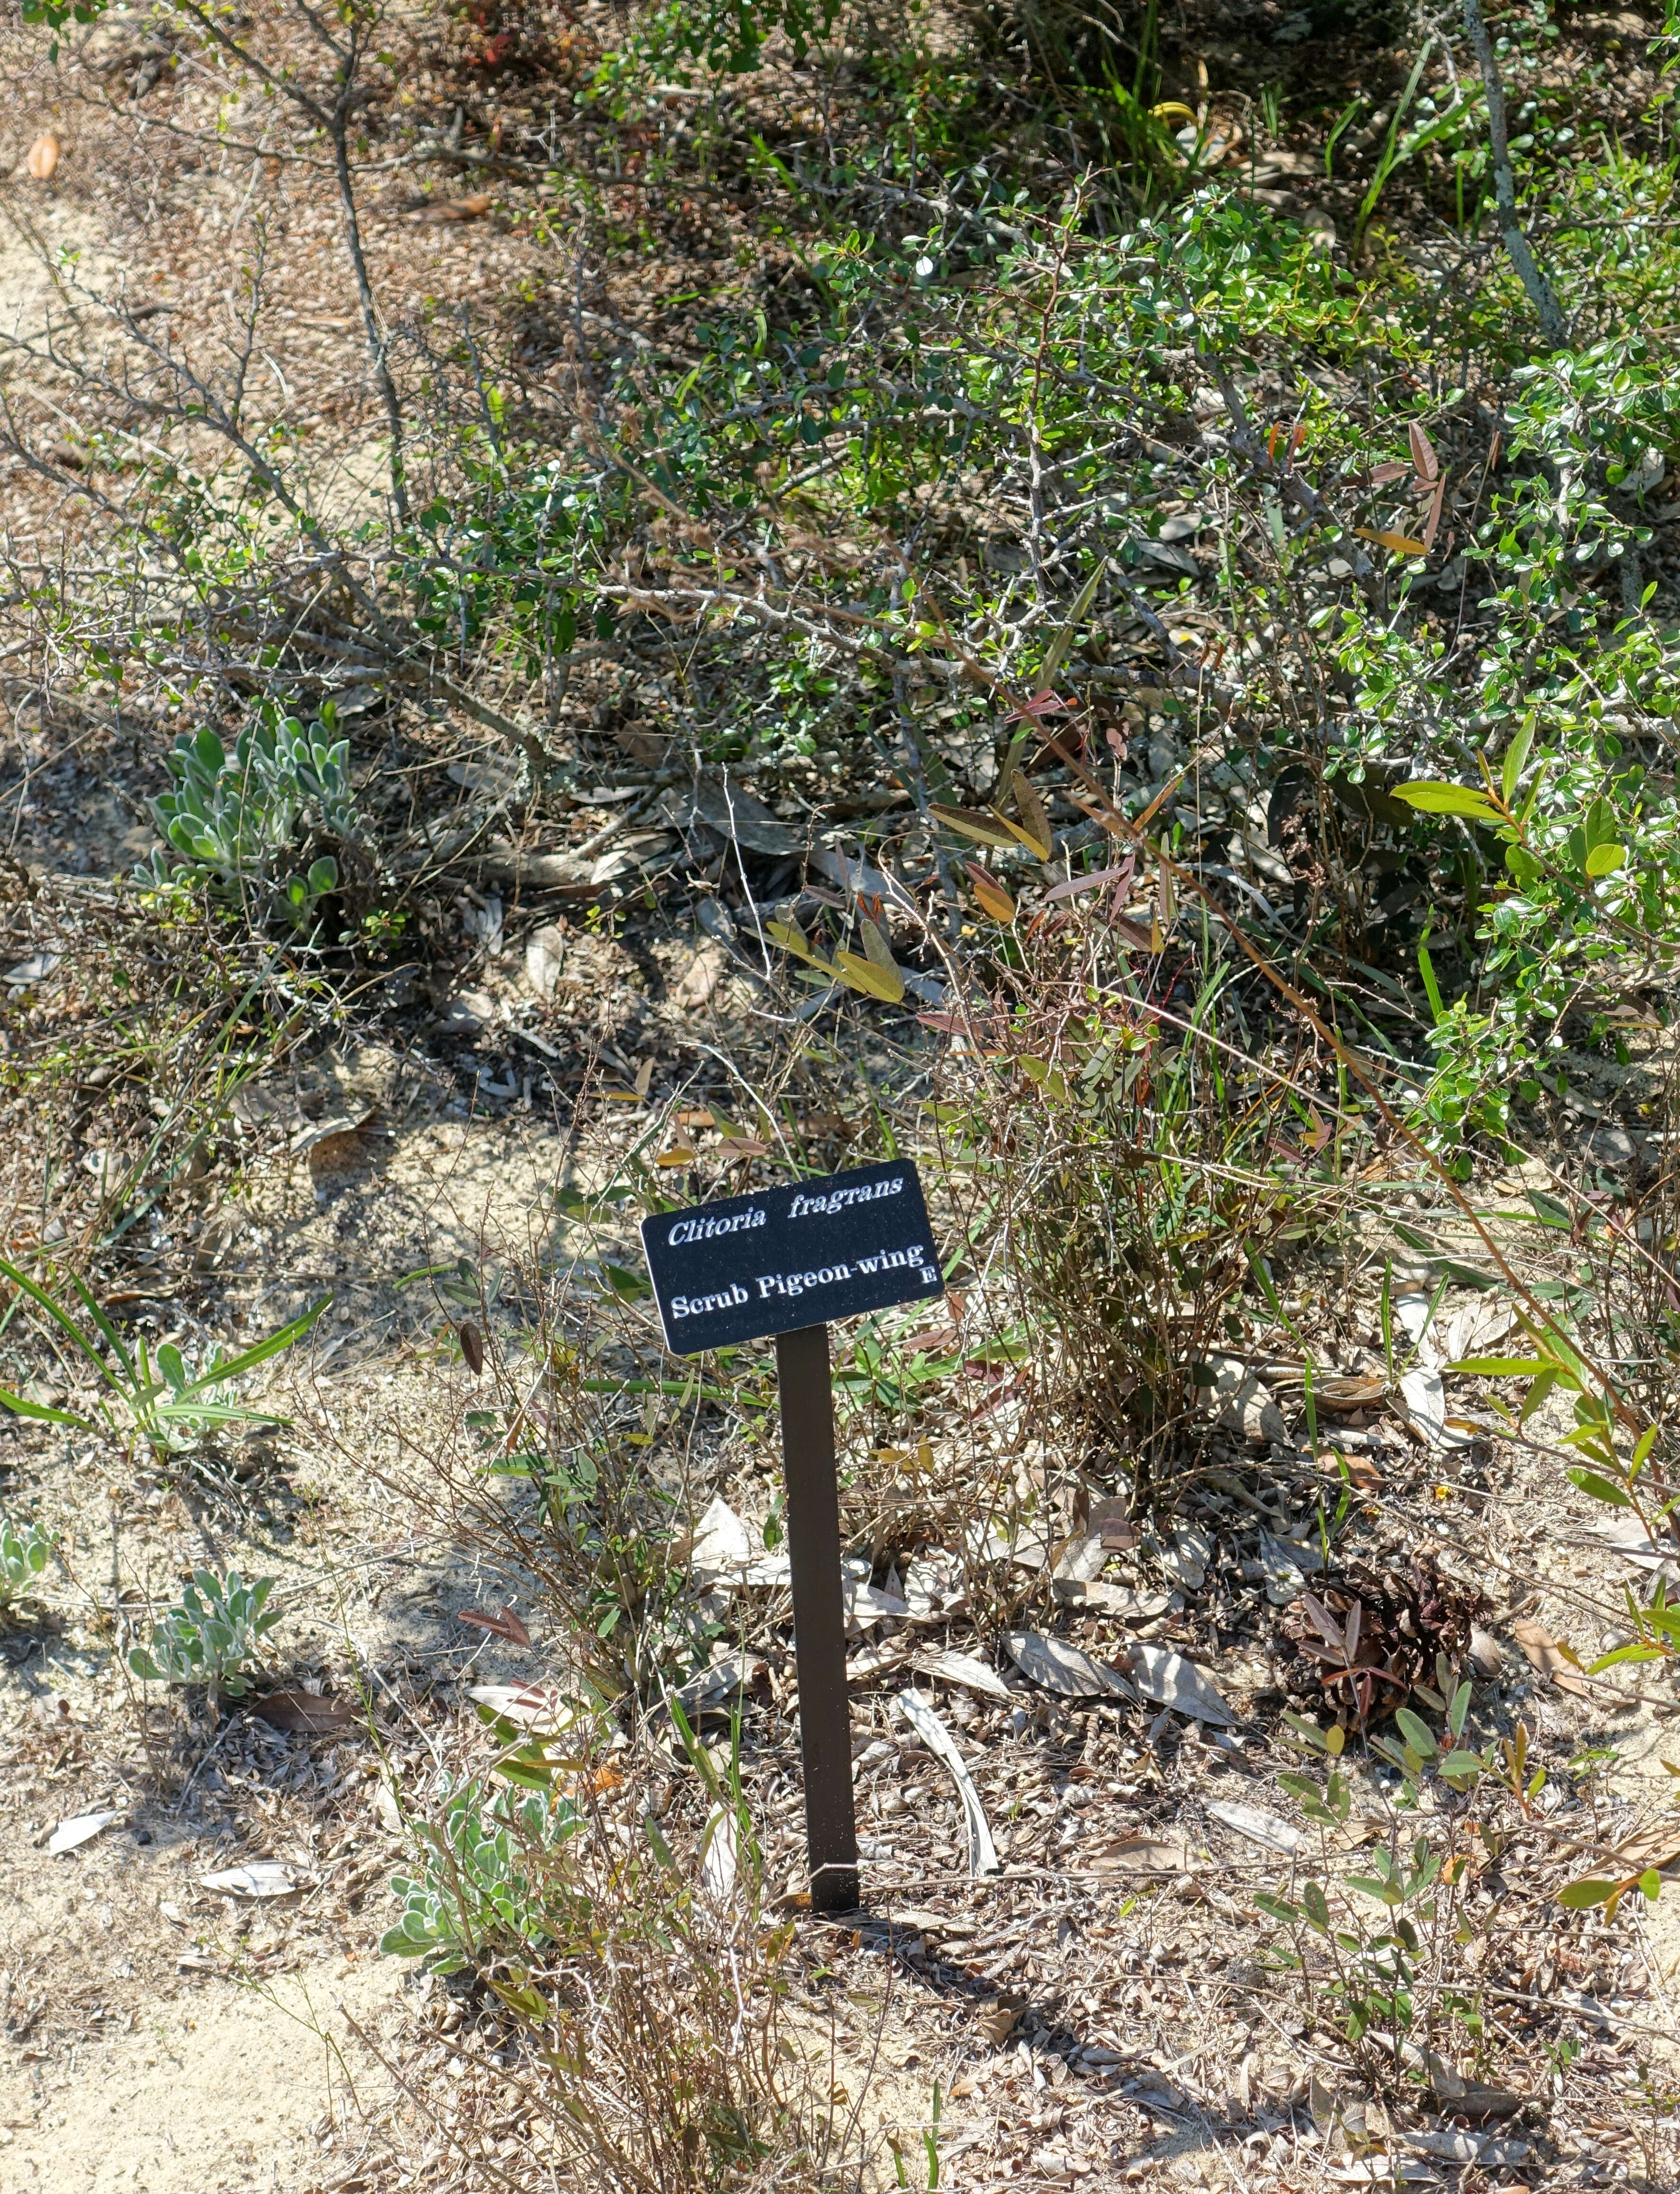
1110 1152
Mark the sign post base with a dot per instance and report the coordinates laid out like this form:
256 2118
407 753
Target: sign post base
806 1397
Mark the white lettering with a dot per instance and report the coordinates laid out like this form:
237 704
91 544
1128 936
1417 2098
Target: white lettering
703 1230
836 1199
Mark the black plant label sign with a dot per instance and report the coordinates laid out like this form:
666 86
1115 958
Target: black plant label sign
790 1256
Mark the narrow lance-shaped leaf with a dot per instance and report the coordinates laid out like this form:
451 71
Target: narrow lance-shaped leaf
1397 544
1435 796
237 1366
41 1413
1599 1488
1056 653
61 1317
1034 820
1515 755
985 830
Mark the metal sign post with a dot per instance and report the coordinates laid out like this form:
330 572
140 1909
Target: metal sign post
805 1387
762 1265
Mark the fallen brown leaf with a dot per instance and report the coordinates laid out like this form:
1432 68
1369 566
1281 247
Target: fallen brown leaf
42 158
1112 1521
1362 1471
1657 1845
468 208
1478 2104
1141 1855
998 2022
506 1625
1345 1393
1543 1653
472 1349
305 1714
1353 1835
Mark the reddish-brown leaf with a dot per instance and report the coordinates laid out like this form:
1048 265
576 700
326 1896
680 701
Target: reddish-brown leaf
506 1625
472 1348
1424 461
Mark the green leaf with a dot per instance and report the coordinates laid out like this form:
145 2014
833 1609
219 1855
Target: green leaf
1624 1656
1651 1883
40 1411
1055 654
1426 969
1537 1394
1435 796
112 1339
62 1317
1416 1733
397 1943
1314 1904
1458 1765
1581 1896
1278 1908
1504 1367
879 954
862 974
792 939
237 1366
1601 1489
1524 865
1369 1886
1605 860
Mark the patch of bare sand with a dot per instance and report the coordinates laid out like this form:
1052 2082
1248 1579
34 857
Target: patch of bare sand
226 2087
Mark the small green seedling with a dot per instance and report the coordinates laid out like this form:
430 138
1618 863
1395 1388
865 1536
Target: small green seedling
480 1888
231 821
211 1635
24 1552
